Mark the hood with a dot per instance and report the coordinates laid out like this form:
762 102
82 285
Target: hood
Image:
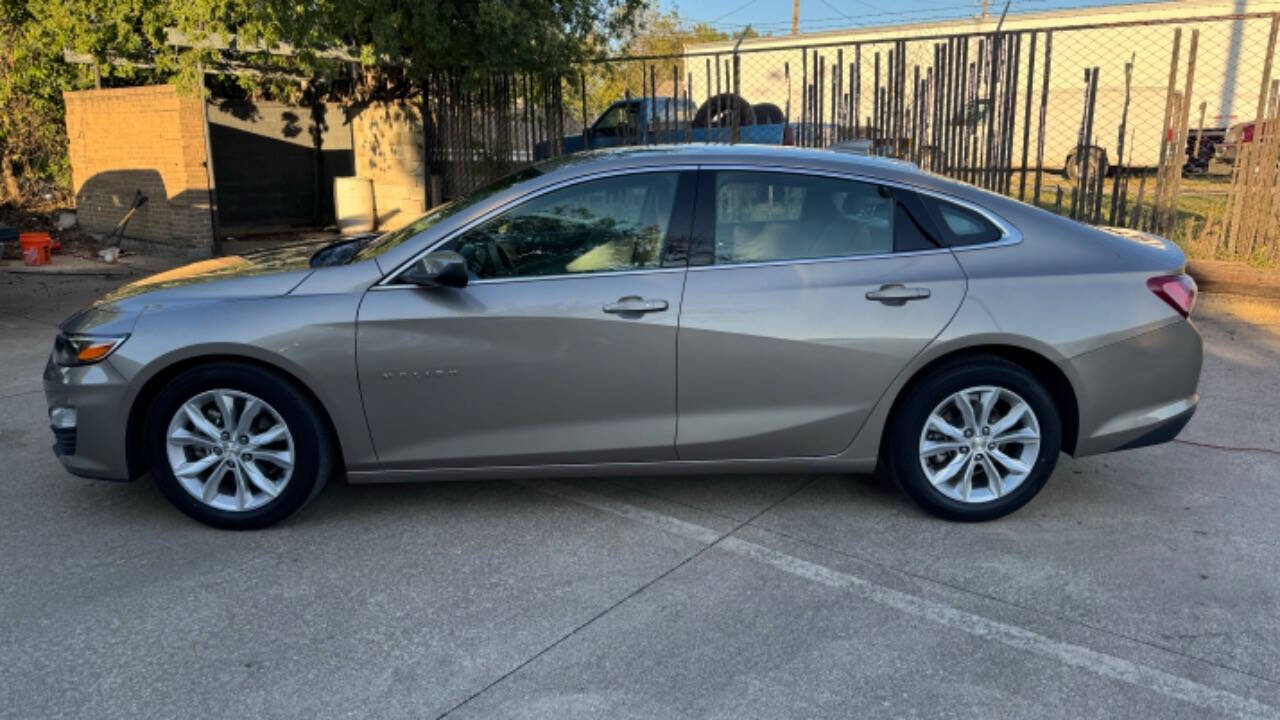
262 273
273 271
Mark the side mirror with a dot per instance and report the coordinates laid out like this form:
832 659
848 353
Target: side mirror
443 268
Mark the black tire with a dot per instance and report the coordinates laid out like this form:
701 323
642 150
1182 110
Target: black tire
1198 164
723 110
768 114
1097 160
908 422
312 440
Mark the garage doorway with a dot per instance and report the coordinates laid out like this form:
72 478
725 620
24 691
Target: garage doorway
274 164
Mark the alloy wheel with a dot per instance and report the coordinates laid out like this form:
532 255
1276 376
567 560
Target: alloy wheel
979 444
230 450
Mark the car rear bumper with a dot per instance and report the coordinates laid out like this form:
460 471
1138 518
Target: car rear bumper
1163 432
95 447
1138 392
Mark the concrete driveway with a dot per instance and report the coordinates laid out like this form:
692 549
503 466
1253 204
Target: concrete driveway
1140 584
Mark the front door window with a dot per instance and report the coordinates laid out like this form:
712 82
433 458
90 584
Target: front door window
610 224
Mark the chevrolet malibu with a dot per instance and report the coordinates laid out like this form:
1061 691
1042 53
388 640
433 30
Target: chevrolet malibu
633 312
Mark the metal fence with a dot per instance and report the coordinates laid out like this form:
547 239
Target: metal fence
1120 124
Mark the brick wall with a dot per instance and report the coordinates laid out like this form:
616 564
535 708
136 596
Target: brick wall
390 151
149 139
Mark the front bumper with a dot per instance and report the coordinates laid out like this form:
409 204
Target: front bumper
1140 391
97 446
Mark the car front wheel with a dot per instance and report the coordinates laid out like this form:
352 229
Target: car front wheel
975 440
237 446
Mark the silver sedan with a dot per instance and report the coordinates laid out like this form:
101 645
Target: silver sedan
646 311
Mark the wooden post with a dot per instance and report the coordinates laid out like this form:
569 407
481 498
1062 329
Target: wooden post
1232 221
1179 149
1166 128
1137 209
1118 181
1195 151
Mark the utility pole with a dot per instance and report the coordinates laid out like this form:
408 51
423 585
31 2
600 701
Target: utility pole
795 16
984 9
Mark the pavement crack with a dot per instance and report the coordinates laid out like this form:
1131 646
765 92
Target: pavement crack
1101 663
20 394
656 496
1009 603
1227 448
958 588
693 556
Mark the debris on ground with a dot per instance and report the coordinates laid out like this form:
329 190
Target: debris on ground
61 224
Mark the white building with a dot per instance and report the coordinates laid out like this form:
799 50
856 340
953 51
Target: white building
1230 54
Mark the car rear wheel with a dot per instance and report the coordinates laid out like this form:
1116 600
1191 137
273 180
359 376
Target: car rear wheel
237 446
975 440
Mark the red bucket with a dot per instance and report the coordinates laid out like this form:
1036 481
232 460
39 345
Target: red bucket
37 248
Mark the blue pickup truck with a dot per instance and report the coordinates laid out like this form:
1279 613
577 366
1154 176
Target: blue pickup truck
646 121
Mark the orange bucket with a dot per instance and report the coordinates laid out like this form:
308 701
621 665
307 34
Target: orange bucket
37 248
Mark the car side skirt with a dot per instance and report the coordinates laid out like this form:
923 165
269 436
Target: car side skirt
675 467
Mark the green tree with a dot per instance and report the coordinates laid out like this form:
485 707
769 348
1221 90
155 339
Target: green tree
398 43
301 51
32 78
660 36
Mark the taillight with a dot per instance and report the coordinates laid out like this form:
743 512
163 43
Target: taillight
1177 290
1246 132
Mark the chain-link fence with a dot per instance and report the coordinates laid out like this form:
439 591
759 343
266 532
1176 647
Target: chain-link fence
1141 124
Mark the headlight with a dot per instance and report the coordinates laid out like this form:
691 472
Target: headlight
84 349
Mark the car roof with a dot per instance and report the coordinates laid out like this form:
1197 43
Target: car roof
765 156
575 166
592 161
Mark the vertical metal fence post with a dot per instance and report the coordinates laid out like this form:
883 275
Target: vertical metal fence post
837 96
857 97
803 140
737 88
875 107
1026 115
1044 103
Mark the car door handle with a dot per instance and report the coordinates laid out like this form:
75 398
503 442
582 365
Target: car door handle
635 304
897 294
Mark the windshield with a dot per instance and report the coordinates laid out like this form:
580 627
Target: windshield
375 246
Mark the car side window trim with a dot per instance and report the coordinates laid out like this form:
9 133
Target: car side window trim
901 204
702 249
678 241
388 282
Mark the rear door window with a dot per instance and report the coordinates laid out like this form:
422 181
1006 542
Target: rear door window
762 216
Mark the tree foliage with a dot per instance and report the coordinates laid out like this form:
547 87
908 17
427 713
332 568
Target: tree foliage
32 133
399 43
662 37
355 49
